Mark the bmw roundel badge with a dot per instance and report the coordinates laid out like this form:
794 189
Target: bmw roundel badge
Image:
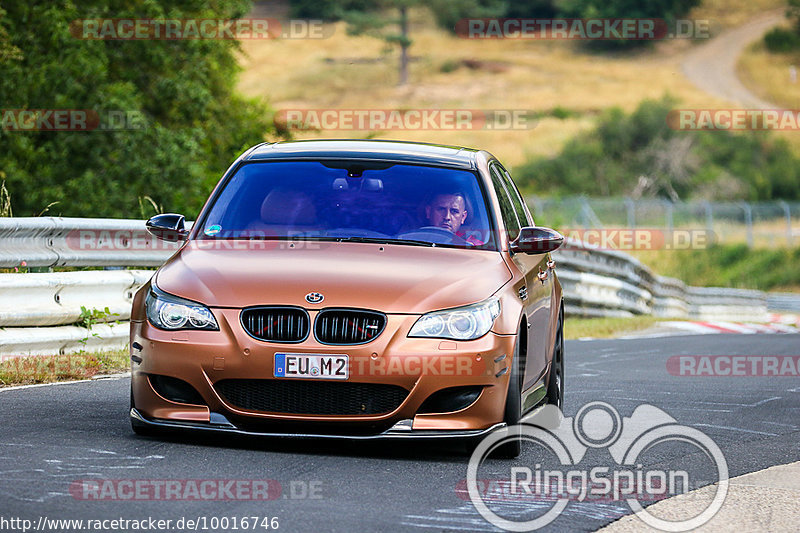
314 297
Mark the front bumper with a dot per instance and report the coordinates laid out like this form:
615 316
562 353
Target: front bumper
204 358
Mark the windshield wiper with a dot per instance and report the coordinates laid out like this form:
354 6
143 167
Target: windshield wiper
384 240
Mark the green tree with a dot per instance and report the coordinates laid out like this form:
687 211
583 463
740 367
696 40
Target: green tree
793 14
668 10
532 8
782 39
386 20
194 122
329 10
449 12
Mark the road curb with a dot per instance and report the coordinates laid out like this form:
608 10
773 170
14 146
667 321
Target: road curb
766 500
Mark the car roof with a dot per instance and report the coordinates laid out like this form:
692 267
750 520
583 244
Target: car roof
367 150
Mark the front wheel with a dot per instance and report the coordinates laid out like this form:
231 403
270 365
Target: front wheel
555 382
512 448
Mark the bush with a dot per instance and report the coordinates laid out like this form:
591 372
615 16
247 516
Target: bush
638 154
778 40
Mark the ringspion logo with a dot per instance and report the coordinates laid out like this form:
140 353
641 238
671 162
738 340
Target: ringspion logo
567 441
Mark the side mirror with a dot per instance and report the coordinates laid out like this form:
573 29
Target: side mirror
168 227
535 240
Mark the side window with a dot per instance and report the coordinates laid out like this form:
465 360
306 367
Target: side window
506 208
516 199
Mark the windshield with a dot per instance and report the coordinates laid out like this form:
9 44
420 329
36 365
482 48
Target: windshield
351 201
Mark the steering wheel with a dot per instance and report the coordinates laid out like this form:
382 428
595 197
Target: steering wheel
433 234
436 230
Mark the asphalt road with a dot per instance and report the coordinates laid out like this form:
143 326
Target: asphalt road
51 437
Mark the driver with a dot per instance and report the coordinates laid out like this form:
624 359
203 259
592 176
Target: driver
449 211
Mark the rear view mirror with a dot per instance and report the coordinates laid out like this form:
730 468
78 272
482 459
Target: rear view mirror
168 227
536 240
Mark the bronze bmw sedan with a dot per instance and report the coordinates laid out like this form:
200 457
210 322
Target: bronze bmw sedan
358 289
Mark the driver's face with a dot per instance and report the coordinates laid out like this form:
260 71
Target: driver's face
447 211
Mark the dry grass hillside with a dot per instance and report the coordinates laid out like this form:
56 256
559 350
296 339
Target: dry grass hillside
346 72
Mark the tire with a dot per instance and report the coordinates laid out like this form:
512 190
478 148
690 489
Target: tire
513 412
555 381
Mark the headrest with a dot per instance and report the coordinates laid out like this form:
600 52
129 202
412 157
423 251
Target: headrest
291 208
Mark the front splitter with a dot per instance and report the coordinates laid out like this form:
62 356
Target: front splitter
222 425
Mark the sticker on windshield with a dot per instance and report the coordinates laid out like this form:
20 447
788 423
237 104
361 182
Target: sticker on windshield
213 230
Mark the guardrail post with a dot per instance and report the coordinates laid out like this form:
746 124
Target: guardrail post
668 214
631 208
589 216
788 213
748 220
709 217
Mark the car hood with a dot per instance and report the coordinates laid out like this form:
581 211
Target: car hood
388 278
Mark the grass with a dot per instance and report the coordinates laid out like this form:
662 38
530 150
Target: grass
358 72
728 13
729 266
606 328
5 199
767 75
532 75
67 367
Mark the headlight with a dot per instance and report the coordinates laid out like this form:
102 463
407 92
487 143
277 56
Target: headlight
461 324
166 311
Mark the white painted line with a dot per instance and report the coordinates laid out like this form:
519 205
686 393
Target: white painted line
690 326
95 378
738 429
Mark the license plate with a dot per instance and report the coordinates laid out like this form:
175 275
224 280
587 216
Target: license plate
311 366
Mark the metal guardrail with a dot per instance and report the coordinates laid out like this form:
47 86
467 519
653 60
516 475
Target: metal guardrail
56 299
35 308
610 283
783 301
79 242
62 339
